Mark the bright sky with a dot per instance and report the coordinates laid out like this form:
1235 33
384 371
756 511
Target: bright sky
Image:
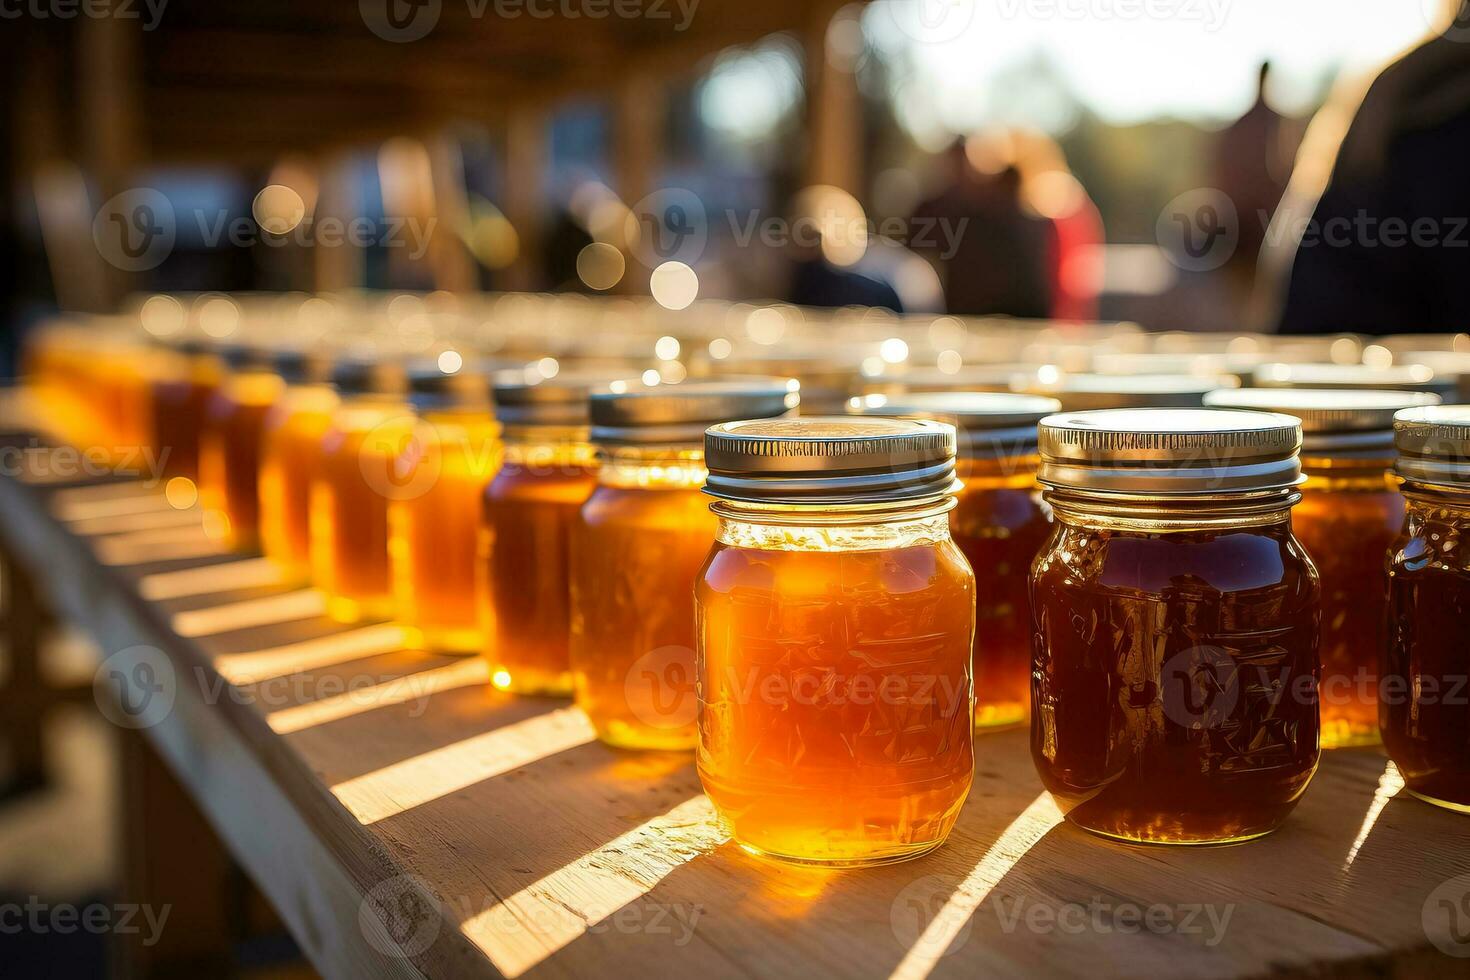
1130 60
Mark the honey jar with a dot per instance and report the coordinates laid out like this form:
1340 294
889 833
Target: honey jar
637 548
550 470
355 475
1349 515
1176 615
230 445
999 523
1424 715
440 475
835 623
181 397
290 453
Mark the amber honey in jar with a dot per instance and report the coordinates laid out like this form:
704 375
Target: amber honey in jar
230 445
835 621
1176 616
290 451
549 471
181 397
1349 515
999 522
355 475
1424 714
637 548
434 505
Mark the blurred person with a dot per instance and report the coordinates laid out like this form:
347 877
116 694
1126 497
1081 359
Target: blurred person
999 259
837 261
1381 175
1252 162
1049 189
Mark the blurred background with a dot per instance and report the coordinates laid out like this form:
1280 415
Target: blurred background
1062 159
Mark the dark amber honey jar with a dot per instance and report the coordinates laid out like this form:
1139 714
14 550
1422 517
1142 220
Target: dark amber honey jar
1349 515
1000 523
637 548
290 452
529 509
181 397
835 618
1176 619
1425 712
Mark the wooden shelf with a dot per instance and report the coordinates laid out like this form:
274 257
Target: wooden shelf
376 793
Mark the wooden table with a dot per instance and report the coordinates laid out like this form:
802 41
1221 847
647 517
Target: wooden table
405 819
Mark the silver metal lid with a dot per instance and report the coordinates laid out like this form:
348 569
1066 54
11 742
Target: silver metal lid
558 401
989 424
1434 445
1403 377
357 373
1334 420
678 414
1094 392
431 387
982 377
1170 452
831 461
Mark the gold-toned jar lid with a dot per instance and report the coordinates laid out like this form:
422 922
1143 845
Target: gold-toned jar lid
1334 420
1402 377
1434 445
981 377
561 400
988 423
678 414
1170 452
1094 392
831 461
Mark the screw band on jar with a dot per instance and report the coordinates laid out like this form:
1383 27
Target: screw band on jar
1335 421
1178 453
1434 445
674 415
560 401
988 425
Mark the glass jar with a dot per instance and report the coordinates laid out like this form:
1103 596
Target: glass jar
1176 617
1425 711
290 452
637 548
350 487
434 507
550 470
999 523
229 446
181 398
835 617
1349 515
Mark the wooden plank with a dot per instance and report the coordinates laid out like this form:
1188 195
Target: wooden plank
381 793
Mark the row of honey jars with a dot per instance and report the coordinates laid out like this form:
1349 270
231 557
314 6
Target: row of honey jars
1176 625
1424 716
835 621
1349 515
999 522
636 550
